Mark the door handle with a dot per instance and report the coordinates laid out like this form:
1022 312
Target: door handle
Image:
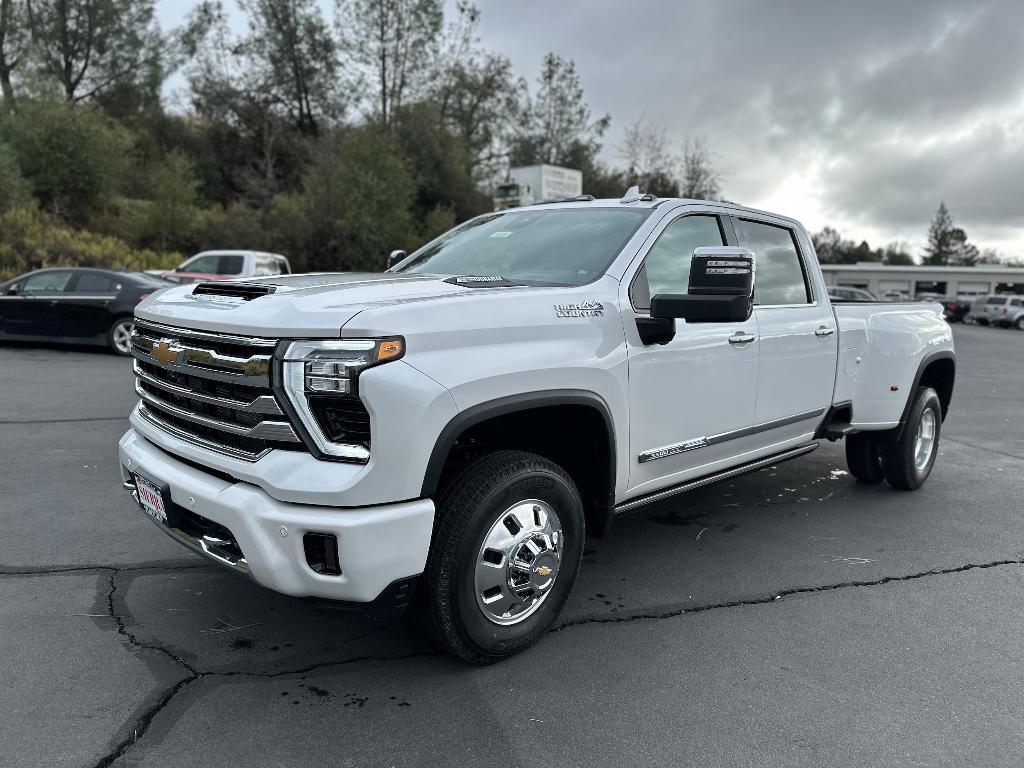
742 338
824 330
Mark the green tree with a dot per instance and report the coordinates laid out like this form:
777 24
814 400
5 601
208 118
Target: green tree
291 53
356 202
964 254
72 158
556 125
897 254
110 51
393 43
476 93
650 162
701 179
13 44
439 162
14 190
263 95
940 247
173 195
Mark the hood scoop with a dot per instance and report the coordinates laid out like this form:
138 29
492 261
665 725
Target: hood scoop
227 290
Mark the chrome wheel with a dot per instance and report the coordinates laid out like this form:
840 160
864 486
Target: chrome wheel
121 336
924 440
518 562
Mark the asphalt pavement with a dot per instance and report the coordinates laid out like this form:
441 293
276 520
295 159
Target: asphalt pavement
788 617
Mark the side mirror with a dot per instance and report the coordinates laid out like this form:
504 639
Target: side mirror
13 290
394 257
721 288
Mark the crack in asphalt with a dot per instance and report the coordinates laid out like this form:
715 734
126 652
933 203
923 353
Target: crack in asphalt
64 421
984 448
674 612
145 721
48 570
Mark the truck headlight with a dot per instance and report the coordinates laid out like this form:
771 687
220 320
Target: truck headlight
321 381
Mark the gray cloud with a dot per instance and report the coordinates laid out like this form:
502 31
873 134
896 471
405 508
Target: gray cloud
886 107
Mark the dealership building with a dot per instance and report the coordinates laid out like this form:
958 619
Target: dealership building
908 282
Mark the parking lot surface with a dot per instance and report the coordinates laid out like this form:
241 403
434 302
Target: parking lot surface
788 617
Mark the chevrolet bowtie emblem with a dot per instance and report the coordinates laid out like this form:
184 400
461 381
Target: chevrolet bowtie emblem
542 570
165 353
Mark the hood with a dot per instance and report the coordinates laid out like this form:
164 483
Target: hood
300 305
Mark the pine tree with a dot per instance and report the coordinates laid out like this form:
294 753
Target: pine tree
940 247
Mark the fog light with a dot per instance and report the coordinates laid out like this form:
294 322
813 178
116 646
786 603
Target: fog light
322 553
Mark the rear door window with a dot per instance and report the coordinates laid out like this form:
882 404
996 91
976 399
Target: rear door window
231 265
779 276
91 283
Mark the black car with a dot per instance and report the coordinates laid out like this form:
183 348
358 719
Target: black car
954 309
74 305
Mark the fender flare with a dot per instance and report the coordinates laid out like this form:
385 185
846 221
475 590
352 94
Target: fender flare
503 406
925 362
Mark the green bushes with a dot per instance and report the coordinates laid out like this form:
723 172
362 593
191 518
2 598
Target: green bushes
73 158
31 239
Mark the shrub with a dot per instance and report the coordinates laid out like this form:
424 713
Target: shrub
31 239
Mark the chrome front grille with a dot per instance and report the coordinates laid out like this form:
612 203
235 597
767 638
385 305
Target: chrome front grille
210 389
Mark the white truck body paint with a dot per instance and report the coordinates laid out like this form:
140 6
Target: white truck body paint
698 404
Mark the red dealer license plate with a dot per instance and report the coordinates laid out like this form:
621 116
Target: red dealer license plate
151 499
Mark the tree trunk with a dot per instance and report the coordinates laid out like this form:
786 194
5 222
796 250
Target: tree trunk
8 89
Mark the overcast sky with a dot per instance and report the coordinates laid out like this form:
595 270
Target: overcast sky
862 115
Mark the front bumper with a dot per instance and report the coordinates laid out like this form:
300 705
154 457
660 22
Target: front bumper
377 546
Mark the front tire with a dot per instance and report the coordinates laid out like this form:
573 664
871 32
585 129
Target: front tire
506 549
119 336
864 457
908 460
1020 323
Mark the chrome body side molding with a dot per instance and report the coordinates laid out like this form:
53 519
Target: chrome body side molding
700 482
702 442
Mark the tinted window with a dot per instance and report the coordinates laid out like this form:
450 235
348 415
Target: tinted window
93 283
46 282
569 246
667 266
230 265
998 300
779 278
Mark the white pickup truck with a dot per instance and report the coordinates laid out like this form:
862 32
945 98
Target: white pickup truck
444 433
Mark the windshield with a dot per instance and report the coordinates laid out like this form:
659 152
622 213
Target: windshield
571 246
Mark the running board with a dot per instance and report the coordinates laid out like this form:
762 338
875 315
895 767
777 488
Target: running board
691 485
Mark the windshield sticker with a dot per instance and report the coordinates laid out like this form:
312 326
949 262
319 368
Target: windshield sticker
501 233
580 309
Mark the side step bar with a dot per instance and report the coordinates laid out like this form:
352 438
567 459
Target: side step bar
700 482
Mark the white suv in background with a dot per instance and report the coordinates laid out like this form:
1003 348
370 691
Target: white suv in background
1004 311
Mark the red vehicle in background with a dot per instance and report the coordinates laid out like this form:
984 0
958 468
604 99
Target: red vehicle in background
225 265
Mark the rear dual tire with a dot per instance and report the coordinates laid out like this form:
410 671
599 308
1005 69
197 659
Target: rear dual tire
903 458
